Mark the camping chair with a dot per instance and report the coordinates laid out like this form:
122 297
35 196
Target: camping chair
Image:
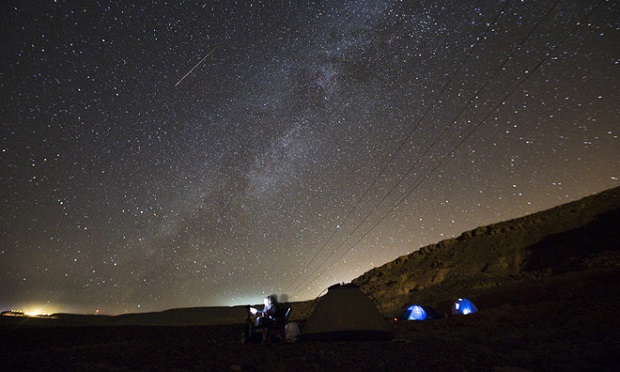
253 332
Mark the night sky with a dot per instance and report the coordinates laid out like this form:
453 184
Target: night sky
179 153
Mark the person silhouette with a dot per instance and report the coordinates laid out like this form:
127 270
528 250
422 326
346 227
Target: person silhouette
266 318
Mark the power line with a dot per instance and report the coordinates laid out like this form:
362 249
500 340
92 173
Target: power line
409 136
468 135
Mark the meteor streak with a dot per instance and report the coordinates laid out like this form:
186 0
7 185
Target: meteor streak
193 68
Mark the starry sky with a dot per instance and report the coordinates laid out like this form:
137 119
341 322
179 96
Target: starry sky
169 154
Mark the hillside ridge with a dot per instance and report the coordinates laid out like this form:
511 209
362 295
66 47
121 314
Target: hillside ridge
540 245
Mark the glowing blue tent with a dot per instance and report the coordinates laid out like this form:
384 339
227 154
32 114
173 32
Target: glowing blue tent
463 306
414 312
417 312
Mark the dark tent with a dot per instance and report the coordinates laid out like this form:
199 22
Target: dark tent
345 314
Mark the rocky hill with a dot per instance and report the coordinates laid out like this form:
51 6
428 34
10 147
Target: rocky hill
505 261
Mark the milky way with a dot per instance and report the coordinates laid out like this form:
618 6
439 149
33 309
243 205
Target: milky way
173 154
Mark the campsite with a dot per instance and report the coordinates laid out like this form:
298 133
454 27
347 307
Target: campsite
542 295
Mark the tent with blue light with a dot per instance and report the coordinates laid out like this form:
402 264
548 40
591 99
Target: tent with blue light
417 312
463 306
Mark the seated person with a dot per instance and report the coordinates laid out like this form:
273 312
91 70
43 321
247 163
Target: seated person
266 318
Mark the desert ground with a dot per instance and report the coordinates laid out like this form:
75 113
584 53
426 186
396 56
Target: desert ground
570 323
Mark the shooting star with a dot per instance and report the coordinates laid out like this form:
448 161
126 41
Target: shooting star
193 68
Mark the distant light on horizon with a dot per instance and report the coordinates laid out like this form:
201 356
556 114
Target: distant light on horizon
39 310
36 312
30 311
